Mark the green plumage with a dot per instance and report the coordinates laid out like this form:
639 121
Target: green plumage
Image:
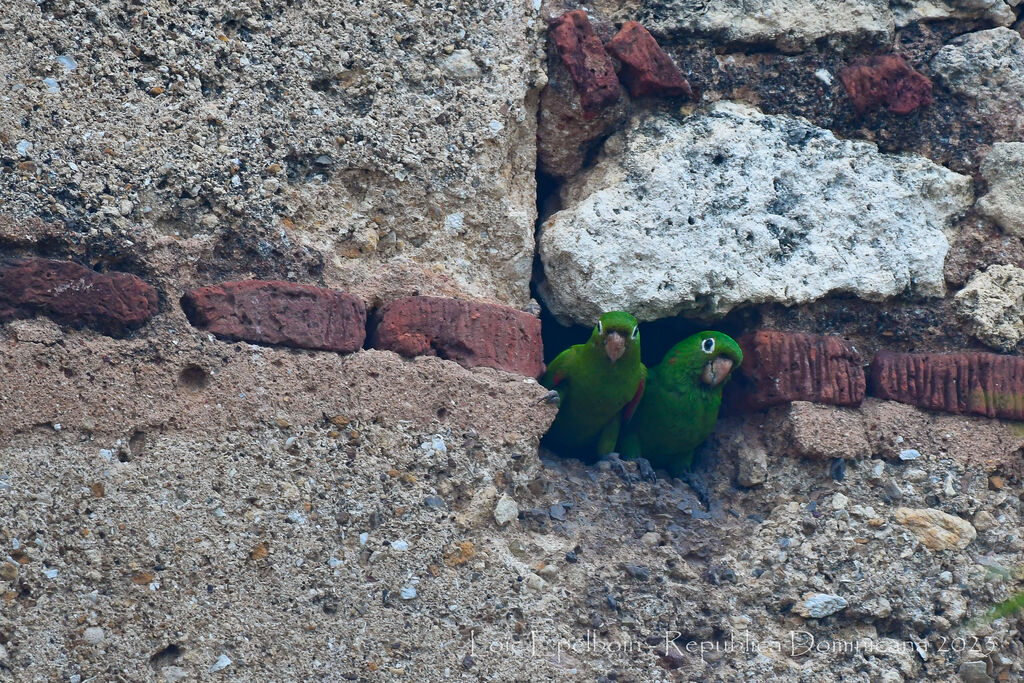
681 401
594 387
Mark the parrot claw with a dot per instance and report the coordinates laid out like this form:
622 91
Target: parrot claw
619 467
646 471
699 486
550 397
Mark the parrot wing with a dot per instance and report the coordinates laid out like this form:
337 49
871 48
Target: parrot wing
558 369
630 408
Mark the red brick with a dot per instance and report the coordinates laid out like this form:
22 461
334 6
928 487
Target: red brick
471 333
972 383
646 69
779 367
285 313
75 295
588 63
886 80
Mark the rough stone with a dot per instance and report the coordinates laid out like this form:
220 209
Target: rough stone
779 367
996 11
93 635
460 64
192 383
789 25
814 433
987 67
992 306
471 333
222 662
173 674
557 512
950 132
564 137
73 294
645 230
990 445
962 383
752 466
566 134
279 313
185 472
936 529
1003 170
794 25
646 69
568 127
588 63
886 81
980 244
983 520
820 605
274 134
8 571
460 553
505 510
826 432
974 672
480 507
36 330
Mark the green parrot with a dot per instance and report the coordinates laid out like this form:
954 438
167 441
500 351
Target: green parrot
681 401
597 385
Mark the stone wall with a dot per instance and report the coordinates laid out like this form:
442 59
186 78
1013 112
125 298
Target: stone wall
268 406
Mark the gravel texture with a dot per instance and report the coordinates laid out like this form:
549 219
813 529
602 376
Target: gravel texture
350 131
302 552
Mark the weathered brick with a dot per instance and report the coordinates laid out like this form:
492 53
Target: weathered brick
779 367
885 80
973 383
568 126
73 294
646 69
285 313
588 63
471 333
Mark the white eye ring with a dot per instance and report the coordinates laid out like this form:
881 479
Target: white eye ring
636 332
708 345
600 327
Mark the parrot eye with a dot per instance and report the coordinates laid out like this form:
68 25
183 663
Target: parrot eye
636 332
708 345
600 327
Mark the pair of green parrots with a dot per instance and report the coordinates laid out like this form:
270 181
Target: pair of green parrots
609 401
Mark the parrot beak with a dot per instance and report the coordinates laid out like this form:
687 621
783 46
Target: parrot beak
716 371
614 346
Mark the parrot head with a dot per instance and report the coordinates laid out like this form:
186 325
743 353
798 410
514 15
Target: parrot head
617 334
710 356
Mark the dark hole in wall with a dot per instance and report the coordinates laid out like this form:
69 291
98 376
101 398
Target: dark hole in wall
165 656
548 200
656 337
137 443
193 377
